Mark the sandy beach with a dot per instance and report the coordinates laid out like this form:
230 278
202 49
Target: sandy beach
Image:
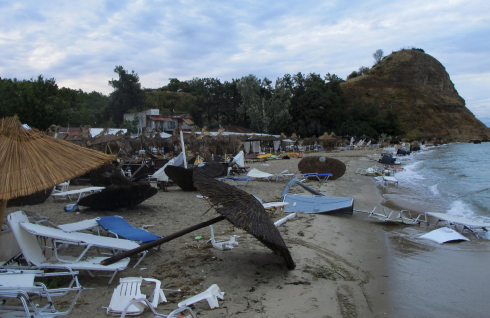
343 263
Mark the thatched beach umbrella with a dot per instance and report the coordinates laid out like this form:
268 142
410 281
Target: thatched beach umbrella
31 161
234 205
181 176
121 196
244 211
317 164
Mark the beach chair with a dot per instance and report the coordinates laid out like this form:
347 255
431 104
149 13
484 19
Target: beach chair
20 284
211 295
237 181
78 194
25 234
120 228
322 177
173 314
129 288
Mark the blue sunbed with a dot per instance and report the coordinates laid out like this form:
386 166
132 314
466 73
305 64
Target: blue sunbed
121 228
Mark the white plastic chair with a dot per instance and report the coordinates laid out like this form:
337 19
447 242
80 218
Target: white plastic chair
171 315
211 295
129 288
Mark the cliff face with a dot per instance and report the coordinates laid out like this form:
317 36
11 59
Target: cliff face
418 88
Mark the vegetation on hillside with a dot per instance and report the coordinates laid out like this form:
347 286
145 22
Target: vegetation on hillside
305 104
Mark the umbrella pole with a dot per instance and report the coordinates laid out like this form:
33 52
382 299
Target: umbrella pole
3 206
144 247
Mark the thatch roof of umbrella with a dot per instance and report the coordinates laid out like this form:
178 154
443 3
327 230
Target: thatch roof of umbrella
182 177
31 161
116 197
211 169
105 139
317 164
244 211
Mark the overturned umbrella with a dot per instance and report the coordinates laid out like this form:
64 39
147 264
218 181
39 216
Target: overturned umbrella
239 207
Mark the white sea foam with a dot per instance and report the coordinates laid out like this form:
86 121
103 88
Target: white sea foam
433 189
460 208
411 172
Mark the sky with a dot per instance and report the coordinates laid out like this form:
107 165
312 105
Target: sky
79 43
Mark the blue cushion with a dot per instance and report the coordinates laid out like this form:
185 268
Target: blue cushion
122 228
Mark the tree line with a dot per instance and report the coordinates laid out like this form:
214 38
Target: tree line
305 104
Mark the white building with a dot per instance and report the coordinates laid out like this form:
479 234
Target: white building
152 119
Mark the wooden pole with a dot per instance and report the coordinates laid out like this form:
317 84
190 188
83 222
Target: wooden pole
147 246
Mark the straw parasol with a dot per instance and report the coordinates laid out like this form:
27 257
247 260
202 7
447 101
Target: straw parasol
317 164
244 211
31 161
234 205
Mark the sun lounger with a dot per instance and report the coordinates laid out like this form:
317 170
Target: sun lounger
35 257
316 203
76 193
390 180
273 207
20 284
236 181
322 177
465 223
120 228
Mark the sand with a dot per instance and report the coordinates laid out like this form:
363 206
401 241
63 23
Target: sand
341 268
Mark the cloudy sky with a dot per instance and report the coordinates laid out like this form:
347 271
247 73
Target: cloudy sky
80 42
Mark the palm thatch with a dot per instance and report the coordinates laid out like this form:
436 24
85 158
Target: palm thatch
243 211
211 169
107 175
116 197
317 164
31 161
182 177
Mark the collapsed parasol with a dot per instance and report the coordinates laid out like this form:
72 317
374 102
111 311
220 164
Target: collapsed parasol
239 207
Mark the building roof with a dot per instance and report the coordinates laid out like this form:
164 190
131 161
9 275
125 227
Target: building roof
159 118
234 129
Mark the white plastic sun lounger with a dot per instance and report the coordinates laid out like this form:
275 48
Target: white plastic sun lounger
80 239
34 254
20 284
465 223
80 193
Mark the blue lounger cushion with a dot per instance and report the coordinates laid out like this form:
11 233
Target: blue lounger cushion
120 227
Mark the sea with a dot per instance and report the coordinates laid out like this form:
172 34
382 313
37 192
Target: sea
427 279
452 178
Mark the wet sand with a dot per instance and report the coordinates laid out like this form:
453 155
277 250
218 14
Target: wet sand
346 266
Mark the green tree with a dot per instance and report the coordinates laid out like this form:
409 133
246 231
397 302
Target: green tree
267 107
127 95
173 85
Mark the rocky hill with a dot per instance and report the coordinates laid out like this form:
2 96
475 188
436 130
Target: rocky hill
417 87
